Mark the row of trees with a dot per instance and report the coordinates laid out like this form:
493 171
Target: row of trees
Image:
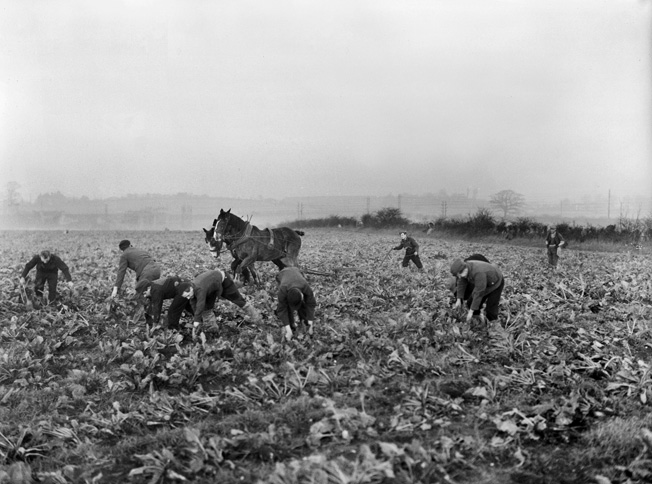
484 223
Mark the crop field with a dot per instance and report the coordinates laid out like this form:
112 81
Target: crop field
393 387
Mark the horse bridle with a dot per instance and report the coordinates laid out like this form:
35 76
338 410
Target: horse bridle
235 241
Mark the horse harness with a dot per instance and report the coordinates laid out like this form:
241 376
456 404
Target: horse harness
246 235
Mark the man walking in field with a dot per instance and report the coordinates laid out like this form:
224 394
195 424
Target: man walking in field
294 294
200 295
137 260
47 266
488 284
411 250
554 240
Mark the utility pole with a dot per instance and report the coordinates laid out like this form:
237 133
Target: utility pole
399 202
561 208
368 203
609 205
443 208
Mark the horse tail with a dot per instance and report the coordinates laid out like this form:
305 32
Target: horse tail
300 232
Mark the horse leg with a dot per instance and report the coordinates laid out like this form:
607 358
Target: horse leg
246 263
279 264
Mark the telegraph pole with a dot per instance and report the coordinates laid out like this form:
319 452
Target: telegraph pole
609 204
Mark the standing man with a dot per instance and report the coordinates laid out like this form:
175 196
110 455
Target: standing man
155 292
554 240
137 260
200 295
47 270
411 250
488 284
294 294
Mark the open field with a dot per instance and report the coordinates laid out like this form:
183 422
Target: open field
393 387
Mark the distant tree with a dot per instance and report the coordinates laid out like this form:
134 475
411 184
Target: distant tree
390 217
13 197
508 201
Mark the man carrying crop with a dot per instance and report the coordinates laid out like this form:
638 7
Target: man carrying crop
294 294
137 260
47 266
411 250
155 292
488 284
200 295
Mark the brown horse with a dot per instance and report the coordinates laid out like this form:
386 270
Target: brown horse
248 273
249 243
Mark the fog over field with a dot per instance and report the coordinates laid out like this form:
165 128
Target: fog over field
296 99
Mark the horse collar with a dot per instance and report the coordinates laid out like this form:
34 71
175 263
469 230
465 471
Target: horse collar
242 239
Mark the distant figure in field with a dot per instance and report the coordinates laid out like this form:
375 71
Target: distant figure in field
137 260
488 284
554 240
47 266
411 250
200 295
294 294
155 292
430 229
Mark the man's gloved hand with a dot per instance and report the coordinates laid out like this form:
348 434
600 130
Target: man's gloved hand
458 304
22 281
114 293
287 333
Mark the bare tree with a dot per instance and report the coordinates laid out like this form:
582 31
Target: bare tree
508 201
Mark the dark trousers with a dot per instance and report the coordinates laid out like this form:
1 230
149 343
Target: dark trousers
151 272
553 258
413 258
492 302
230 293
39 282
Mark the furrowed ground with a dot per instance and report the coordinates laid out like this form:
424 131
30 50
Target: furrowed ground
393 387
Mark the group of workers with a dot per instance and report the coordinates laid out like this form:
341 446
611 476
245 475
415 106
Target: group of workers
475 281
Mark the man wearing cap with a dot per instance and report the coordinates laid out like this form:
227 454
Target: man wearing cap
155 292
554 240
452 281
200 295
137 260
47 266
488 283
411 250
294 294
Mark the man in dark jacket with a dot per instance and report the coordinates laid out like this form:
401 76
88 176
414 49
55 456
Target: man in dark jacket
294 294
155 292
137 260
199 296
47 270
411 251
488 284
452 281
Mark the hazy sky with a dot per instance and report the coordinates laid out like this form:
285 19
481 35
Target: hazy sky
297 98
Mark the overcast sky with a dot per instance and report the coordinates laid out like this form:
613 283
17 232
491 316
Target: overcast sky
298 98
